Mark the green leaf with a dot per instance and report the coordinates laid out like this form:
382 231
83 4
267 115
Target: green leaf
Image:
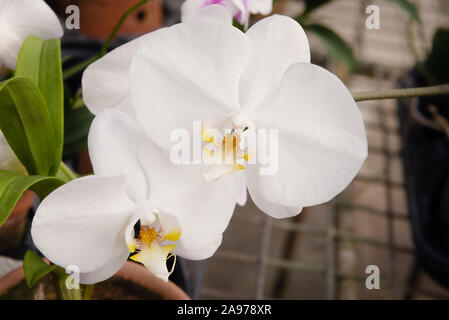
40 60
410 7
13 185
27 126
437 62
334 44
35 268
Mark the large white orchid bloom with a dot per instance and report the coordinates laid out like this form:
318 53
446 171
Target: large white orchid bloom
262 79
89 222
239 9
21 18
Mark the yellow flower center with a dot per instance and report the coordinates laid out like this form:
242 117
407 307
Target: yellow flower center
226 152
147 235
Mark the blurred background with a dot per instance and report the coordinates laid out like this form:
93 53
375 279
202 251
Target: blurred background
394 215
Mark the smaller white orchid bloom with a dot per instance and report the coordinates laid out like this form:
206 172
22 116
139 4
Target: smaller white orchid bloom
8 159
90 222
239 9
21 18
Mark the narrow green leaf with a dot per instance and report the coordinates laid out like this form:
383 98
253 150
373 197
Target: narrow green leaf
334 44
13 185
35 268
40 60
27 126
409 7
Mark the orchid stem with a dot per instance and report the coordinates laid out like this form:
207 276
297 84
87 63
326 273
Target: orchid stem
104 49
118 25
402 93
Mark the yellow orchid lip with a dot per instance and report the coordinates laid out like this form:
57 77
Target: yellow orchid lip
223 154
150 247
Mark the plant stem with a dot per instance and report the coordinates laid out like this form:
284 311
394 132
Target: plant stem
118 25
402 93
411 39
84 292
67 171
79 67
83 64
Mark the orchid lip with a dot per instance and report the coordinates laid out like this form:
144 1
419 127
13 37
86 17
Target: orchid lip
150 247
226 152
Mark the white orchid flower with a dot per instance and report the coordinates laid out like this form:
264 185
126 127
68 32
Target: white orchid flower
239 9
21 18
89 222
8 159
261 79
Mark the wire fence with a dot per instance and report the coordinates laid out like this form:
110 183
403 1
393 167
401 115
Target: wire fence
340 276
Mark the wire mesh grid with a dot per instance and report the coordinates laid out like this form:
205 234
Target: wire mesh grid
254 262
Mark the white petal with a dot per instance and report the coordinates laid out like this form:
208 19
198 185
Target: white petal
204 213
194 10
202 209
81 223
9 47
190 8
19 19
187 72
322 139
241 188
238 4
260 6
106 82
199 253
130 234
8 159
278 42
111 267
170 227
270 208
6 152
240 11
114 143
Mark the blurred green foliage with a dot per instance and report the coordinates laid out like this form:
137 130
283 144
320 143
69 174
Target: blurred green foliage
437 63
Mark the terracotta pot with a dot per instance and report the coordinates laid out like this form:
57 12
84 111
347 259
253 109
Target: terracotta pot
12 231
99 17
133 281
